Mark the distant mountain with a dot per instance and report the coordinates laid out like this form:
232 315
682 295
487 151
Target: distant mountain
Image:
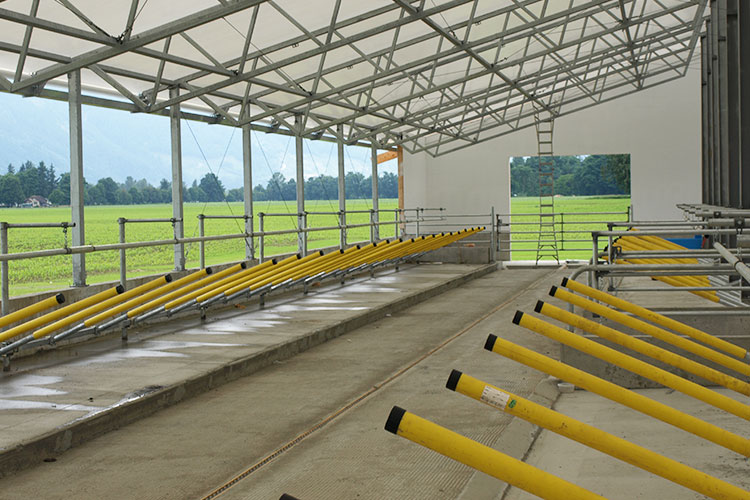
119 144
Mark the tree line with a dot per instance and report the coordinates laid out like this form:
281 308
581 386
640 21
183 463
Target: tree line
573 175
17 185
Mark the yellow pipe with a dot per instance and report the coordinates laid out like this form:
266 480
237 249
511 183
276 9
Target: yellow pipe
102 306
59 313
629 363
689 280
31 310
279 277
657 318
146 297
614 392
654 331
210 277
266 277
483 458
645 348
215 289
597 439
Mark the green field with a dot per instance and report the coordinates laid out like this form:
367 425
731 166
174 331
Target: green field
572 220
101 226
48 273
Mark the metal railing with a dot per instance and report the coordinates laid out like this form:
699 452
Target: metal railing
564 237
399 222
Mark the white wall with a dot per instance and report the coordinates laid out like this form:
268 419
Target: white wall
659 128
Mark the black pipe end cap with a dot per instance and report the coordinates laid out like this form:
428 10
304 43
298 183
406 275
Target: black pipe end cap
299 256
341 250
490 343
452 382
538 306
553 290
320 252
243 265
60 298
119 288
210 270
517 317
374 244
394 419
565 282
287 496
168 278
274 261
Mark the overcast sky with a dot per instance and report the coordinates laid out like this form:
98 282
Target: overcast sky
117 144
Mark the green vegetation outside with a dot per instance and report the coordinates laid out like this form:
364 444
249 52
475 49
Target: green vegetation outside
33 275
573 208
47 273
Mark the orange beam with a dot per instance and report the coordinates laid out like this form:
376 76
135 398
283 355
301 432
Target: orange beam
388 155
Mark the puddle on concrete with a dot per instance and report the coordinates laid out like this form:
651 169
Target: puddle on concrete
14 404
148 349
26 385
303 307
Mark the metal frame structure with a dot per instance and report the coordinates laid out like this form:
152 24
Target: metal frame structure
432 76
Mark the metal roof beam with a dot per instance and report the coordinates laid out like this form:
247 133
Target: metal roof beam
97 55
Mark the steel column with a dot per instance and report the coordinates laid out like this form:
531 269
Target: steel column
375 195
177 207
247 186
342 184
76 175
705 124
744 77
4 269
302 235
733 98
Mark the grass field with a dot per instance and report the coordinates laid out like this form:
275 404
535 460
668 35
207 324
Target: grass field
101 226
33 275
573 220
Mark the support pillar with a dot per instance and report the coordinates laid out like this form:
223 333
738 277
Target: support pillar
375 195
247 169
76 175
177 207
400 159
733 84
706 170
301 219
342 183
744 76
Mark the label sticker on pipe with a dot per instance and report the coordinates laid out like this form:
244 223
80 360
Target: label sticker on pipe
494 397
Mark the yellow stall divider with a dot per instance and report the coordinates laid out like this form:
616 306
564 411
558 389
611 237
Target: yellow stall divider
659 319
614 392
645 348
103 305
590 436
60 313
632 364
31 310
483 458
654 331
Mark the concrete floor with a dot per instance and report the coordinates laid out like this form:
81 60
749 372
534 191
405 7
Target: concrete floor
617 480
311 425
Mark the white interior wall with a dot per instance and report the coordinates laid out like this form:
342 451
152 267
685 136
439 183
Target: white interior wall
658 127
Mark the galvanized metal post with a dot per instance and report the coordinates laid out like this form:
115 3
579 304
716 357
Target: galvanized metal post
342 184
744 76
593 282
247 186
202 245
417 211
5 278
261 238
493 235
123 263
733 104
177 206
300 153
373 238
396 214
76 174
375 194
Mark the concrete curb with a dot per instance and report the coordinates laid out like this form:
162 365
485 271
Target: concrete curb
152 399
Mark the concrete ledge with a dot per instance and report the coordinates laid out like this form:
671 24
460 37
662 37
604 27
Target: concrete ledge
148 400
